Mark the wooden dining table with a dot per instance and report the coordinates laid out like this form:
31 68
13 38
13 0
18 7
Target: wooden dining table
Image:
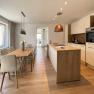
19 53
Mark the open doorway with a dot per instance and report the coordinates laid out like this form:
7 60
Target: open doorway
39 38
42 37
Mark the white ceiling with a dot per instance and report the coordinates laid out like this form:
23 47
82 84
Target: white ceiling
43 11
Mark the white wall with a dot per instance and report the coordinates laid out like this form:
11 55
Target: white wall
29 38
56 37
31 30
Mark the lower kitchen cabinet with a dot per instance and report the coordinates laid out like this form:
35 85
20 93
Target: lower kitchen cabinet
90 53
80 46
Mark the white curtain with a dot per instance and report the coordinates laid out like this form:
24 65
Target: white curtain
3 36
2 29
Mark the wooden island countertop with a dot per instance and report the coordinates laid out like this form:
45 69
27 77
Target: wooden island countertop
63 48
66 62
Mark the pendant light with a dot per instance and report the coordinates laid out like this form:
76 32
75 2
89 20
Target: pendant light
23 23
59 27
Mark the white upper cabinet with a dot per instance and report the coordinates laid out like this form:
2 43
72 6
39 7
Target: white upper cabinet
81 25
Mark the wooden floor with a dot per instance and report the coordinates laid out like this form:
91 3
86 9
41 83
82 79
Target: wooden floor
43 80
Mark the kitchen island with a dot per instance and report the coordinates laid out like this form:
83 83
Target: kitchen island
66 62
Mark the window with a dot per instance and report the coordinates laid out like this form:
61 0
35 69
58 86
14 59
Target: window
2 29
3 36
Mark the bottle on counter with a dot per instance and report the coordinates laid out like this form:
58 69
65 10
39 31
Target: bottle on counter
23 45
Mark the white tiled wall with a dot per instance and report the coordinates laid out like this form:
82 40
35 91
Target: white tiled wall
31 31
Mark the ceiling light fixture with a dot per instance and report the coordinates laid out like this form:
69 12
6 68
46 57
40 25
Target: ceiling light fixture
59 27
66 2
59 13
61 9
22 23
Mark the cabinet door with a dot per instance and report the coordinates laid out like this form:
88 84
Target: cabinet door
90 55
91 21
80 25
82 47
53 57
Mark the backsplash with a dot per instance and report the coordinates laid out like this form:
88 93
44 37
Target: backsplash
78 38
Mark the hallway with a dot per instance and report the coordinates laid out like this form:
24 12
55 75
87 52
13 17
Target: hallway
43 80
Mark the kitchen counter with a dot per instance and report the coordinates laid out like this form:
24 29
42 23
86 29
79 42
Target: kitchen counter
63 48
76 44
66 62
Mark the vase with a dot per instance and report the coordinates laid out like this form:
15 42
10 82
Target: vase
23 46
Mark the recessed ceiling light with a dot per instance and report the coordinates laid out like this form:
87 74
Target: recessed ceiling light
66 2
61 9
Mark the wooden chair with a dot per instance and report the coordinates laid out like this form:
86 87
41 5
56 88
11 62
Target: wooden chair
31 57
9 65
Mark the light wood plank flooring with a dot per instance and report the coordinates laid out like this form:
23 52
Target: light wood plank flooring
43 80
